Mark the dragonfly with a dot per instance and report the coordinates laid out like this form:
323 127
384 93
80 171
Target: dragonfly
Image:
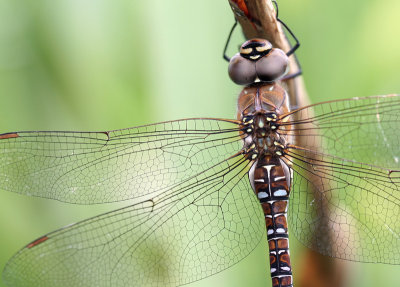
204 192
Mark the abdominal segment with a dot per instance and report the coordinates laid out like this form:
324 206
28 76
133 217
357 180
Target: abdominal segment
270 178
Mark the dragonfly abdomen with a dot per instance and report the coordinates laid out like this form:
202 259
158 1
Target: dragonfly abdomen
270 178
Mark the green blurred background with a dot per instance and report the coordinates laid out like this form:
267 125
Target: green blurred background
98 65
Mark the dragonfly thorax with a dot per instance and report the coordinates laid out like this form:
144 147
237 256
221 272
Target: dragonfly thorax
260 109
261 135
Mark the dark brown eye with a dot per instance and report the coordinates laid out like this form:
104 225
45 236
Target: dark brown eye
242 71
272 66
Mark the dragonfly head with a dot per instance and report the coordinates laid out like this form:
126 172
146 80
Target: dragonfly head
257 61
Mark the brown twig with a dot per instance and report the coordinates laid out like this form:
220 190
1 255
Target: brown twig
258 20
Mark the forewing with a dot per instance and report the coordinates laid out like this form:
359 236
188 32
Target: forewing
98 167
359 129
193 230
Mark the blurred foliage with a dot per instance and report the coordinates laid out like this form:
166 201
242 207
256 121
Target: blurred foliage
95 65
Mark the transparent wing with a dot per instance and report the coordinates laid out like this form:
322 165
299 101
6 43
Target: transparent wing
345 199
359 129
100 167
192 230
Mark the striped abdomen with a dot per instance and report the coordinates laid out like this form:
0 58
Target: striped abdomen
270 178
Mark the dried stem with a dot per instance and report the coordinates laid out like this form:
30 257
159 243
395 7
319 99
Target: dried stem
258 20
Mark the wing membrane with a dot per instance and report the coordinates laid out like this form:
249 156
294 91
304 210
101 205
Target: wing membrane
196 229
100 167
359 129
345 199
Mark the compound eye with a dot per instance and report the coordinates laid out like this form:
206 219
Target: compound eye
272 66
242 71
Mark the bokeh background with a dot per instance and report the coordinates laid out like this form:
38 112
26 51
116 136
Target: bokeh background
99 65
